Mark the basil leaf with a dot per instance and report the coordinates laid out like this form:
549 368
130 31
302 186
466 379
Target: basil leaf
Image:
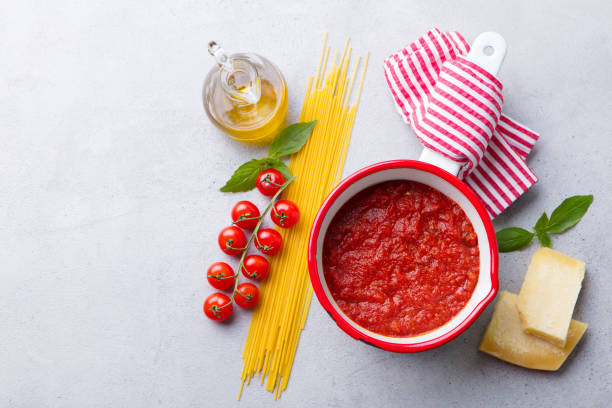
568 213
542 223
513 239
244 177
291 139
279 165
544 239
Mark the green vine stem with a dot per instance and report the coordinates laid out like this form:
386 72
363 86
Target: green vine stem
254 236
268 179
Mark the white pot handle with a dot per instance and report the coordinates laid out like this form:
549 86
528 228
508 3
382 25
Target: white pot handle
488 51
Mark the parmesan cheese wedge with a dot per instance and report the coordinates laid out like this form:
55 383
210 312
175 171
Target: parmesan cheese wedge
506 340
548 295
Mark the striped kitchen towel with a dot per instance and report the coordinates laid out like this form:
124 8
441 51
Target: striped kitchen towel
454 107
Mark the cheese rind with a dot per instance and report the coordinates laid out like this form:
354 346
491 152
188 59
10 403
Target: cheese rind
506 339
548 295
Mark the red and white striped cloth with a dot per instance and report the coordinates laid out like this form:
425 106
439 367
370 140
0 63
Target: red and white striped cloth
454 108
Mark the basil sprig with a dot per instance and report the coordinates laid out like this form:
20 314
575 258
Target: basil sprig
288 141
513 239
563 217
291 139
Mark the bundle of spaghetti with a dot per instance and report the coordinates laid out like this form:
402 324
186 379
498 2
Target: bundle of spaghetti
280 316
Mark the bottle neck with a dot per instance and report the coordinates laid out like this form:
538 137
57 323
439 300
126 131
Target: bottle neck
238 76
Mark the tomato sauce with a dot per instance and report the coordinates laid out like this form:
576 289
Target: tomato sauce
401 258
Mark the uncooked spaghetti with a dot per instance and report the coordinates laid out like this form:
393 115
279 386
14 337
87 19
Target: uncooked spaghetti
277 322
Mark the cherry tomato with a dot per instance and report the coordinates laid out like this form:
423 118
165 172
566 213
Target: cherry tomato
255 267
220 275
232 240
269 181
245 215
269 241
285 214
246 295
218 306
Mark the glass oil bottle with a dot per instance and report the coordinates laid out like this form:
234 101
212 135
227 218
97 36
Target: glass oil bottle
245 95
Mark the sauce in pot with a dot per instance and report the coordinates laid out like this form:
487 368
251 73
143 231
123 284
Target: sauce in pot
401 259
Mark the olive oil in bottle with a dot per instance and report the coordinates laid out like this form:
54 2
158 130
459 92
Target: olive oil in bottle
245 95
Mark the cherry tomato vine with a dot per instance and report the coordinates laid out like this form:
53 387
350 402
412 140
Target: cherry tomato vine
216 310
270 175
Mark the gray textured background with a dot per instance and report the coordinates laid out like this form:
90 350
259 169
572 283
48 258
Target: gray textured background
109 202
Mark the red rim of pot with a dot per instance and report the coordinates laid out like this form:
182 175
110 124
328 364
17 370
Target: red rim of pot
341 320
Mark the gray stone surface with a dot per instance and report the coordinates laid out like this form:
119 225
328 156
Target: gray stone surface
109 202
